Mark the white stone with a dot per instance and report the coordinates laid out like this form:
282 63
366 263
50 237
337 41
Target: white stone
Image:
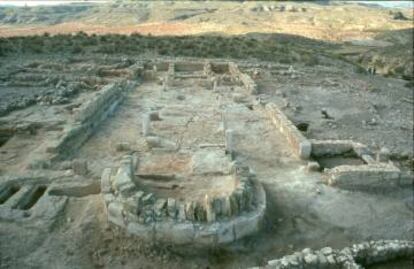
115 213
229 141
146 125
106 180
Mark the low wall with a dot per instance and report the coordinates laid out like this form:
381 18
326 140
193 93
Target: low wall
214 221
88 117
321 148
245 79
372 176
356 256
300 145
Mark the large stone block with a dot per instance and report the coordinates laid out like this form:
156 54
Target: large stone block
106 185
305 149
116 213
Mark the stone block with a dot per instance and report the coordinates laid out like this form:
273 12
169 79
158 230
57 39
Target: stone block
226 207
217 206
210 213
171 208
305 148
181 212
160 208
116 213
146 125
234 205
189 211
106 184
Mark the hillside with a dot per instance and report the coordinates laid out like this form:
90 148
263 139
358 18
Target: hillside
365 35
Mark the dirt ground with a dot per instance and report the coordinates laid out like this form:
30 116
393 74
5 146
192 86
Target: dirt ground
302 211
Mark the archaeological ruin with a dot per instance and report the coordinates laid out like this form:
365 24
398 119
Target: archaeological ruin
163 144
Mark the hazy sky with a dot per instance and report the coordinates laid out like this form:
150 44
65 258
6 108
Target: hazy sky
38 3
405 4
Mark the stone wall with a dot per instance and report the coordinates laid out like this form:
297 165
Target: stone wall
364 177
245 79
323 148
88 116
356 256
215 220
300 145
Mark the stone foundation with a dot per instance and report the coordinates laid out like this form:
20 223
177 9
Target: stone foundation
364 177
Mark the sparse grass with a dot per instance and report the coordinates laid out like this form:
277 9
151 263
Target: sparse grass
191 46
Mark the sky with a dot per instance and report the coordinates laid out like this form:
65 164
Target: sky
390 4
41 3
405 4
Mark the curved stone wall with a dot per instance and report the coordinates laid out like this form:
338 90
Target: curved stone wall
215 220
